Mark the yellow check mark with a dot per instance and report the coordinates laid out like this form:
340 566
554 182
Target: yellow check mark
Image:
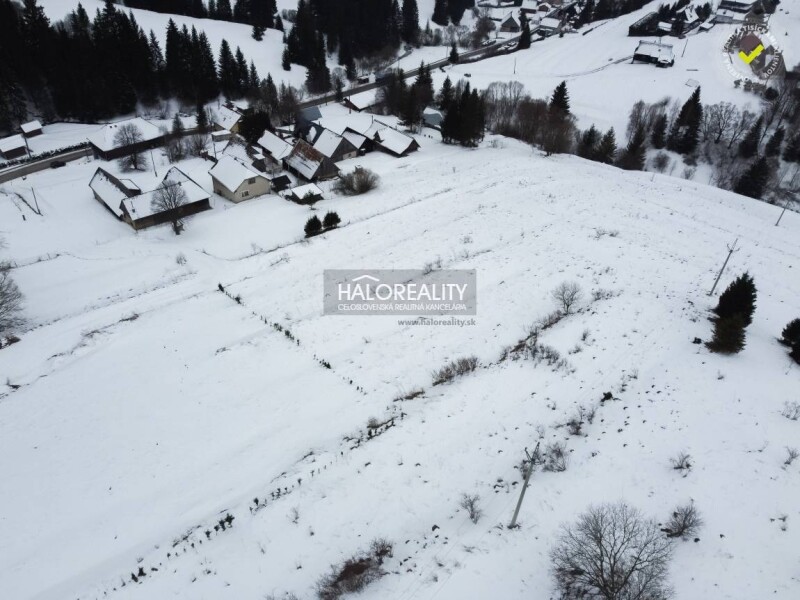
748 58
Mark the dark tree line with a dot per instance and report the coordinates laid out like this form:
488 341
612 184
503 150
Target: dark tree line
258 13
450 11
94 68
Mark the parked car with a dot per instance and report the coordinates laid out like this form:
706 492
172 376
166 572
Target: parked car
57 164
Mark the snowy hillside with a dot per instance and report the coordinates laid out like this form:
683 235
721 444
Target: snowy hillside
145 405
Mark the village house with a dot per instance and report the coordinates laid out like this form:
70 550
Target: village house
335 147
110 191
309 163
361 101
141 211
280 183
432 118
105 145
359 142
13 147
31 129
275 148
125 200
655 53
385 138
734 11
227 119
236 181
510 24
305 194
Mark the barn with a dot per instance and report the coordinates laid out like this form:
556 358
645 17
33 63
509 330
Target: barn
139 211
105 145
654 53
13 147
309 163
31 129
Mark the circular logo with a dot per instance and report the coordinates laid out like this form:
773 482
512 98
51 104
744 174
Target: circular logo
752 54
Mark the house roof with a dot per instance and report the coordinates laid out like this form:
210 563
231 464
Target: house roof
510 21
305 159
226 118
550 23
432 117
277 147
328 142
654 50
141 206
363 100
301 191
231 172
104 138
354 138
111 190
393 140
312 113
14 142
281 181
30 126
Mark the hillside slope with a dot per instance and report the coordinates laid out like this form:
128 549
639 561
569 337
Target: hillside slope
145 405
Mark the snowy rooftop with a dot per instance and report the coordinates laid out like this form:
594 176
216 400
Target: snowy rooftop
104 139
278 148
108 191
327 142
363 100
305 160
550 23
655 50
301 191
354 138
30 126
393 140
231 172
141 206
226 118
14 142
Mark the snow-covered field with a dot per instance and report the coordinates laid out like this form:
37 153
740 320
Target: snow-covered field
144 405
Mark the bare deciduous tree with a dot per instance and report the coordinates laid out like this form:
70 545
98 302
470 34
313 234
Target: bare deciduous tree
566 295
469 502
613 553
129 135
10 301
196 144
684 522
169 197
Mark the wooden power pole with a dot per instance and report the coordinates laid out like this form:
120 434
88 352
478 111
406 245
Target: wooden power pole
731 250
532 461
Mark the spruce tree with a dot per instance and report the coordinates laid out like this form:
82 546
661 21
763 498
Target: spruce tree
440 16
685 131
410 23
560 98
729 335
754 181
739 298
791 333
632 157
286 62
658 136
203 125
313 226
177 126
748 147
607 148
587 145
445 96
792 151
773 147
454 54
224 12
525 35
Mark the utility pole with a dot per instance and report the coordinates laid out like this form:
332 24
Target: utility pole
786 204
153 160
731 250
532 461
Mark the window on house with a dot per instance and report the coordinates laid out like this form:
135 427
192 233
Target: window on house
245 194
251 181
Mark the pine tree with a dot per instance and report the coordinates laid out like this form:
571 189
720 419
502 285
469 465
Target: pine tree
440 16
632 157
228 71
739 298
729 335
792 151
748 147
313 226
587 146
203 125
454 54
685 131
177 126
525 36
607 148
286 62
445 96
410 23
773 147
658 136
224 12
560 98
791 333
257 33
754 181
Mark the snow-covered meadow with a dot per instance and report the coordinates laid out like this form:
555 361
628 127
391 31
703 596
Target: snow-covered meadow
144 405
